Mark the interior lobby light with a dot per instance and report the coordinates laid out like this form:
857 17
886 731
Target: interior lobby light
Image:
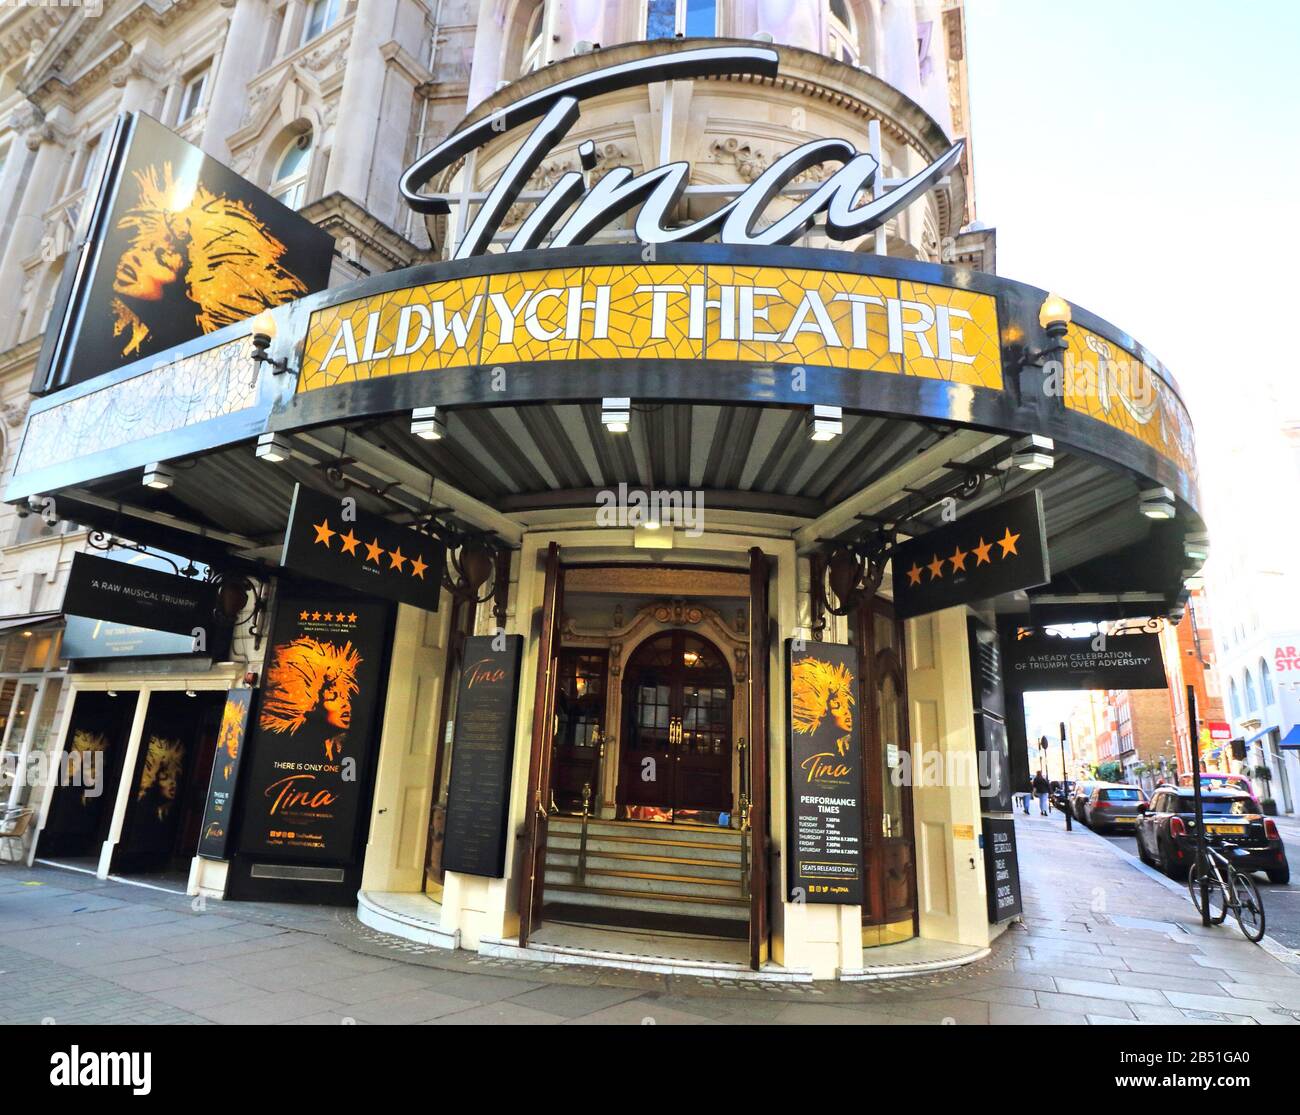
274 448
825 423
158 476
428 424
1034 453
616 414
1158 503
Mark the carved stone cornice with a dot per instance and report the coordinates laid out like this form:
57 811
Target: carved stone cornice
342 217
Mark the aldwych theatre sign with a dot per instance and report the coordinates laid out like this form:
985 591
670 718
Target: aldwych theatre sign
657 191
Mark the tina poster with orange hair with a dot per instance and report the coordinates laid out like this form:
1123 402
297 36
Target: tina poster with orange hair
178 245
826 808
315 728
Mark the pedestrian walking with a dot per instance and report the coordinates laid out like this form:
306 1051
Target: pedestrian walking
1026 795
1040 792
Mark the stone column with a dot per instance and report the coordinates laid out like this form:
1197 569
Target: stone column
361 101
43 139
141 78
238 64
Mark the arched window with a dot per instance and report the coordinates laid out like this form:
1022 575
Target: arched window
289 183
1234 701
532 58
321 16
842 33
1252 702
691 19
1265 683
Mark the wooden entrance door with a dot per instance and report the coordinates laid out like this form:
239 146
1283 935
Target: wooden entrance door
677 701
533 868
760 844
889 907
580 718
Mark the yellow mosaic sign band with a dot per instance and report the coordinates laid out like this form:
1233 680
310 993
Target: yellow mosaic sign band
1110 384
763 315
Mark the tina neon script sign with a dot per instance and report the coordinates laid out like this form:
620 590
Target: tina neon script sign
570 213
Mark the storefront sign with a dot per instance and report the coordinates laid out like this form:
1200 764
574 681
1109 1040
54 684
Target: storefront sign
219 808
1037 658
317 723
178 245
657 191
329 539
1286 660
1001 869
1219 730
100 588
825 807
981 555
482 756
97 638
758 315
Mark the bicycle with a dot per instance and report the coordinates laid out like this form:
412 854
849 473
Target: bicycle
1228 889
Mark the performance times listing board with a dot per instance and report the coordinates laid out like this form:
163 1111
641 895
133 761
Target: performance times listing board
825 834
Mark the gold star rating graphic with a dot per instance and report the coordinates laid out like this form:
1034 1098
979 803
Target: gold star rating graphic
1008 543
374 551
397 558
914 574
349 542
958 559
304 615
418 566
352 617
329 617
315 615
323 533
936 568
982 552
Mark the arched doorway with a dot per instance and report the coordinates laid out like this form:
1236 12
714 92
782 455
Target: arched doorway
675 761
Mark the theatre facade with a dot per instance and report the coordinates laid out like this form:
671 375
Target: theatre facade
628 582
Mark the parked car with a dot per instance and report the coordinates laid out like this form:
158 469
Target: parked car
1112 806
1082 792
1166 832
1213 780
1060 793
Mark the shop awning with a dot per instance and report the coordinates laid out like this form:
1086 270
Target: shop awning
1292 738
29 622
1262 732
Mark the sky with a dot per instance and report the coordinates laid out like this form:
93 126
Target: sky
1139 157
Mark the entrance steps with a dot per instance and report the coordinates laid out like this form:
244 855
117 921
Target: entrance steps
640 872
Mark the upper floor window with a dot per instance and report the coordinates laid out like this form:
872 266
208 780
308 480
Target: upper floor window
841 32
289 183
692 19
533 40
1234 702
321 16
89 166
1252 702
1265 683
192 95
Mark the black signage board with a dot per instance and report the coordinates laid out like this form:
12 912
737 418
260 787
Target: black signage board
1001 868
1035 658
825 789
482 756
219 807
100 588
336 543
981 555
177 245
318 720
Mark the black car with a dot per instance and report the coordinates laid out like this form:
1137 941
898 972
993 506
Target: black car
1060 793
1166 832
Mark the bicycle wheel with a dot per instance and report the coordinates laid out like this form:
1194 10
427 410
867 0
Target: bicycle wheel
1218 900
1249 908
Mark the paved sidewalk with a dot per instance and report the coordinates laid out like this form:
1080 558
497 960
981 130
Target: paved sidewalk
1102 942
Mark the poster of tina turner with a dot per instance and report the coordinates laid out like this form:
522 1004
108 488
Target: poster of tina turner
315 728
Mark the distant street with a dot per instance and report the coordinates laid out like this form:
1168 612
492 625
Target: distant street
1281 904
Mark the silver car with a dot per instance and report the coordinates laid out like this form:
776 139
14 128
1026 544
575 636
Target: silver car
1079 799
1112 806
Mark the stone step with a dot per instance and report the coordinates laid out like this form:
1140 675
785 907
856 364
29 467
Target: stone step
600 860
569 841
646 882
650 830
618 898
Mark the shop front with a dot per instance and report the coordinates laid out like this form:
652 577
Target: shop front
629 602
